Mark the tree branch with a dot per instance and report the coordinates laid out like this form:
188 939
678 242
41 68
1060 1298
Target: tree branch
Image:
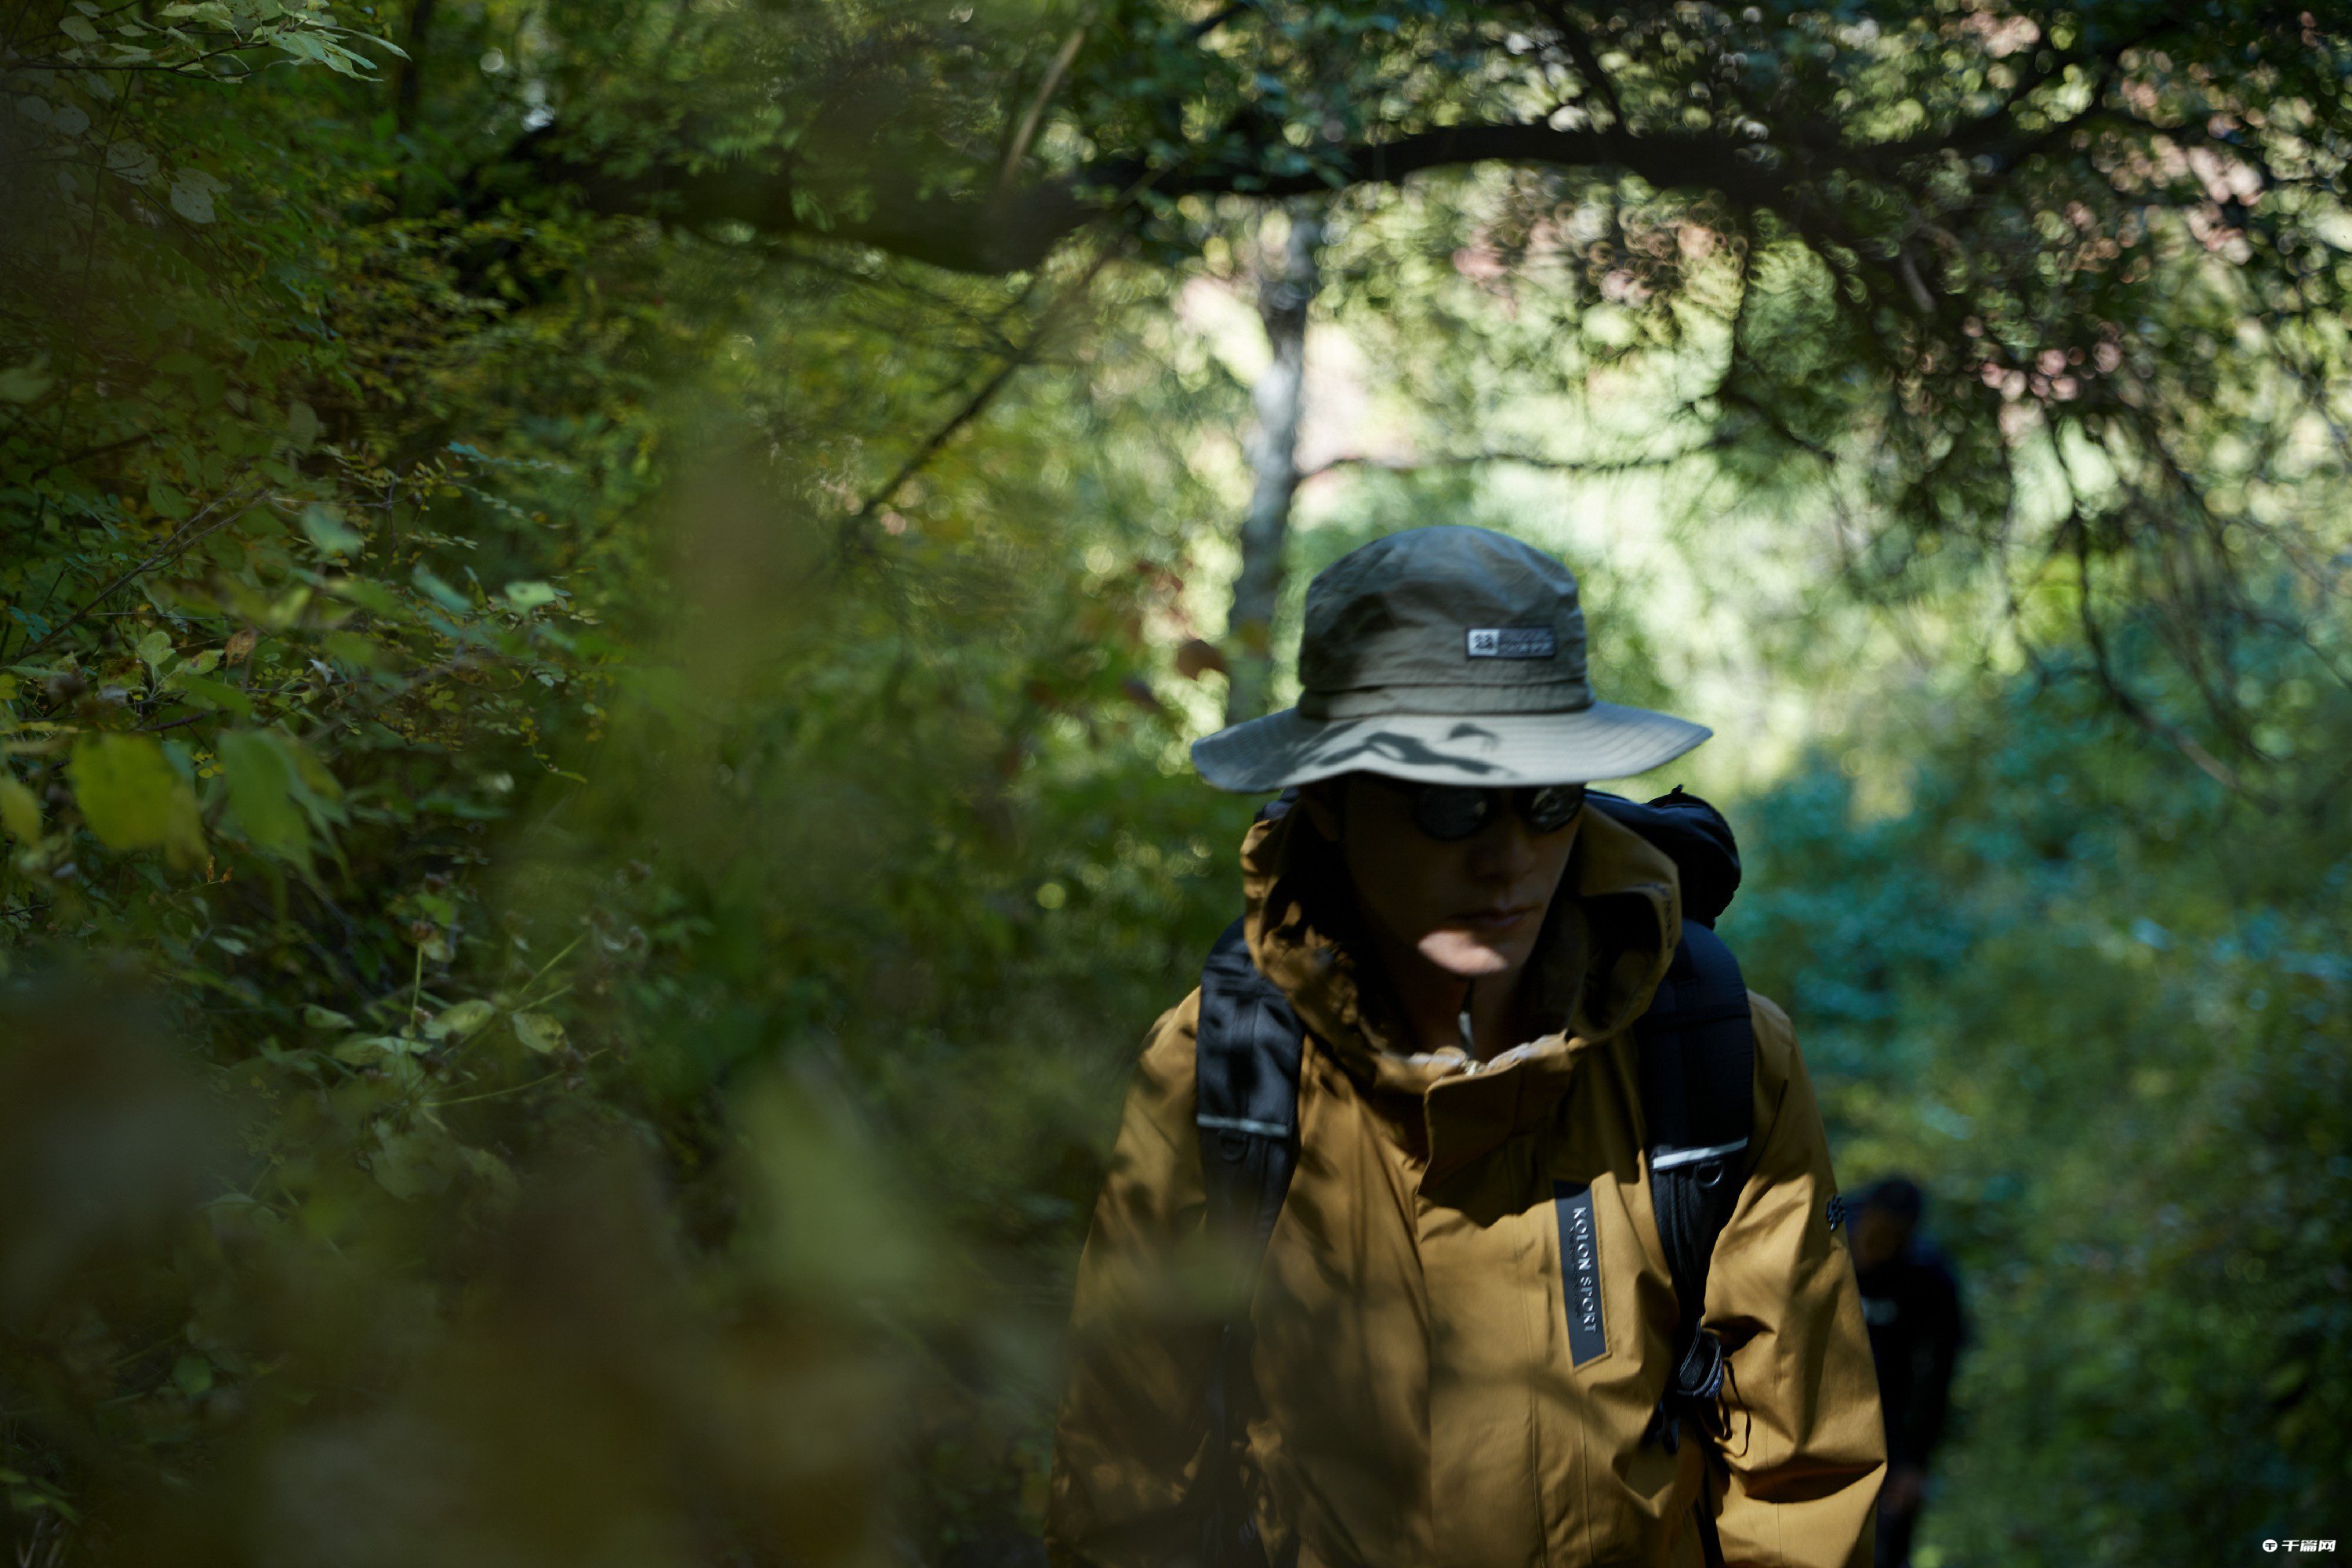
1014 229
1588 465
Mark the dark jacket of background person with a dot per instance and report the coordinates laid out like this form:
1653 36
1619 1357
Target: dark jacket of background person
1416 1401
1912 1306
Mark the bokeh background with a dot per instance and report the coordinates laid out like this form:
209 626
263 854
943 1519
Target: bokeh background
600 607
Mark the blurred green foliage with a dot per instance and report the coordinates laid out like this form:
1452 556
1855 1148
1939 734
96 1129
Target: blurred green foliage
595 796
2097 1005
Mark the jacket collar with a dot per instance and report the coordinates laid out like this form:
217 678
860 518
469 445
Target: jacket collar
1603 950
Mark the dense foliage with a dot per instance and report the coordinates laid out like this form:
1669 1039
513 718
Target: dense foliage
601 607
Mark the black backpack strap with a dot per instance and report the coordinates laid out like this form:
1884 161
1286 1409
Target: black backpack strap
1247 1051
1246 1056
1698 1073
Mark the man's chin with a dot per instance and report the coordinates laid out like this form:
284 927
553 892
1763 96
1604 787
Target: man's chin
1465 957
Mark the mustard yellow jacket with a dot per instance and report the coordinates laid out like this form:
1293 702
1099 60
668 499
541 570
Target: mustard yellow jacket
1415 1400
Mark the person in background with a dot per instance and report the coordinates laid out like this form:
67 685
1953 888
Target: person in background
1912 1303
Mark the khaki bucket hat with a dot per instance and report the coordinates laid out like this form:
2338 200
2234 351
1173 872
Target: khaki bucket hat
1445 654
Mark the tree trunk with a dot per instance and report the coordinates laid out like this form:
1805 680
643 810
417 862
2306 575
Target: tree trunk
1286 286
409 82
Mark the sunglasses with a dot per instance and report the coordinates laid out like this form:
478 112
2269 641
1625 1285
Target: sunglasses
1449 813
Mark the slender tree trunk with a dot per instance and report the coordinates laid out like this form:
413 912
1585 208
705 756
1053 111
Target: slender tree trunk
1287 287
409 82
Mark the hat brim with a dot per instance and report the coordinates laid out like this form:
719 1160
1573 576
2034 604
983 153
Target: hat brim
1602 741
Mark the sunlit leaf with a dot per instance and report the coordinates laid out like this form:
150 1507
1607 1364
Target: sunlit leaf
192 1375
20 811
131 797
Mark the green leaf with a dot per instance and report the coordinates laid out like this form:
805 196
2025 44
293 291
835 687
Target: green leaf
326 527
20 812
355 651
78 28
531 595
541 1032
131 797
155 648
261 794
192 1375
219 695
23 383
448 598
302 426
370 597
402 1163
320 1017
167 501
364 1050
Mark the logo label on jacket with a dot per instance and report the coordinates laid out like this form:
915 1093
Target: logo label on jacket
1579 1272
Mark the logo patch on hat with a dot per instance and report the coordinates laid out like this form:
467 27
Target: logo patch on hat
1512 642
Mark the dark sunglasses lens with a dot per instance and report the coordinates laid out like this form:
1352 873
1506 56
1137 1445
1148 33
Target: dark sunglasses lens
1450 811
1549 809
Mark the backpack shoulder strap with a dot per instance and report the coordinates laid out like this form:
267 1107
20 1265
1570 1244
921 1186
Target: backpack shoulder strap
1246 1053
1698 1073
1246 1056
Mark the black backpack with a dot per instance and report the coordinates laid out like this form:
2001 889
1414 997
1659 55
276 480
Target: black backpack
1698 1069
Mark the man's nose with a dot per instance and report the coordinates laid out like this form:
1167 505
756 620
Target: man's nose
1503 850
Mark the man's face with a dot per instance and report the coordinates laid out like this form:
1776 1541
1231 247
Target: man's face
1472 907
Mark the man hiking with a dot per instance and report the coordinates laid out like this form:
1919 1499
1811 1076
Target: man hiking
1472 1212
1912 1303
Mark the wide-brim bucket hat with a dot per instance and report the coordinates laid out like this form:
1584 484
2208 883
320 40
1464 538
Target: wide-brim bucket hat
1445 655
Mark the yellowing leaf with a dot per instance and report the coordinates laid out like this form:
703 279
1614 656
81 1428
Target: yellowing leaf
462 1019
541 1032
366 1050
130 796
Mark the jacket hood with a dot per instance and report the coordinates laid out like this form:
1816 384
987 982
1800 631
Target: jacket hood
1604 948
